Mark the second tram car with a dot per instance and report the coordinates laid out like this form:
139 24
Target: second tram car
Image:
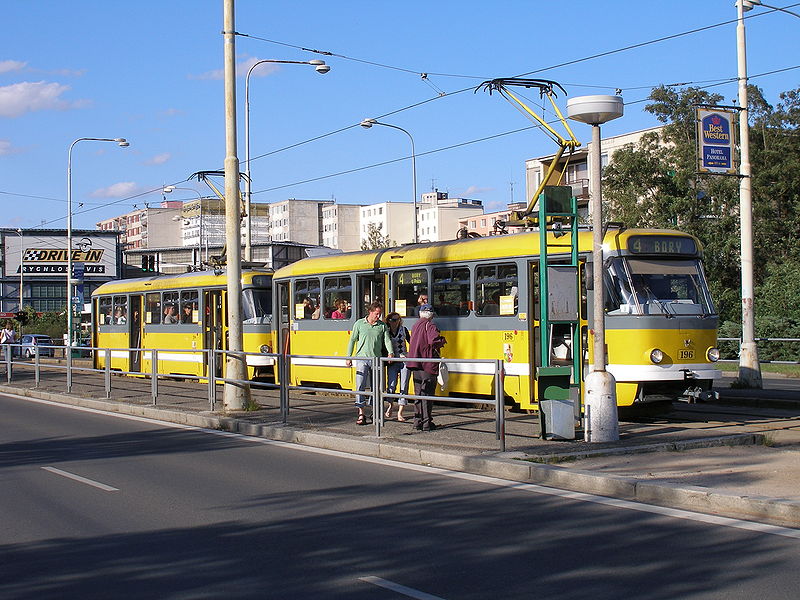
661 327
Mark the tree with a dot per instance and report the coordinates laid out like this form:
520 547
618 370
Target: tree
375 239
654 184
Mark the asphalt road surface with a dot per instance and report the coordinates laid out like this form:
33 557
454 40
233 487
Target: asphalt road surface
105 506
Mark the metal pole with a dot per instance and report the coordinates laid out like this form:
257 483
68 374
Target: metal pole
37 372
500 409
237 396
377 395
749 368
8 362
601 391
154 375
283 390
69 368
212 379
21 271
107 372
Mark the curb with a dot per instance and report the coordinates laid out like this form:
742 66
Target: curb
758 508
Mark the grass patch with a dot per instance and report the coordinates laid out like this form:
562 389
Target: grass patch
550 460
788 370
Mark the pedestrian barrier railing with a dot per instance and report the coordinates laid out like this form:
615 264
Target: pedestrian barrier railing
766 345
377 394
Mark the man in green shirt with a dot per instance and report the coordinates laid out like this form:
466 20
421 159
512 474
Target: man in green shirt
369 338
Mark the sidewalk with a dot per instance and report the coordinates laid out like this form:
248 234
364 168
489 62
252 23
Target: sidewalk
725 458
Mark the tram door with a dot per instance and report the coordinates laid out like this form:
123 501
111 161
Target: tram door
283 328
135 333
214 327
371 288
534 343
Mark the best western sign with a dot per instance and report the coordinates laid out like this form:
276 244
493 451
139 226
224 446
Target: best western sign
715 141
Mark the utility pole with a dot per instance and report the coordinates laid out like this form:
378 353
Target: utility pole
237 396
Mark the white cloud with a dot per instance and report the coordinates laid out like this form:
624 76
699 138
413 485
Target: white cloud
6 66
474 189
7 148
117 190
158 159
241 70
20 98
170 112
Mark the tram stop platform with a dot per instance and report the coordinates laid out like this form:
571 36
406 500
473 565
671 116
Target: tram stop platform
737 457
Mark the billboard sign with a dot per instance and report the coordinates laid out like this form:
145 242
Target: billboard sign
715 135
45 255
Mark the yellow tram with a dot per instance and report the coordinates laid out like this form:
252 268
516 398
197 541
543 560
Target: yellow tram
661 327
181 316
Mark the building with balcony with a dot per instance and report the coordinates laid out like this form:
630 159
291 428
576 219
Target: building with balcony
440 216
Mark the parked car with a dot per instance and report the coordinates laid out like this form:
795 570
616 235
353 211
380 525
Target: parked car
29 341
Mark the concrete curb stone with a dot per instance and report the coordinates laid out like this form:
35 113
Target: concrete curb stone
764 509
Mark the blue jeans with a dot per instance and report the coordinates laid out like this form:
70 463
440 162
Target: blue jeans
393 370
363 381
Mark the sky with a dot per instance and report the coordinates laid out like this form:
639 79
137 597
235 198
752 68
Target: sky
151 72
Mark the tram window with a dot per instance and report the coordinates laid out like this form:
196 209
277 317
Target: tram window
408 287
257 305
120 310
171 309
337 297
451 291
306 299
152 309
106 311
371 288
497 290
189 311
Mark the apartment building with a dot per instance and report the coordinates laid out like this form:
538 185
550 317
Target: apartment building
440 216
340 226
152 226
394 220
297 220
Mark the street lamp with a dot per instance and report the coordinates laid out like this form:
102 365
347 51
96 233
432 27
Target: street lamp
366 124
202 244
122 143
21 270
319 67
601 396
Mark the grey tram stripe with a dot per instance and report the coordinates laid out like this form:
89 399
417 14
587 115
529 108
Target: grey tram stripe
400 589
678 513
68 475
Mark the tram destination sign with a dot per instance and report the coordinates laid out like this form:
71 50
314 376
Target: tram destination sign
662 244
715 136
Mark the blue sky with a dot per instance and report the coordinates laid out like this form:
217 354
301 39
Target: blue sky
150 71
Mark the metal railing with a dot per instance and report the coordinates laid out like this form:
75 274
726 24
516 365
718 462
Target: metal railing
377 392
738 342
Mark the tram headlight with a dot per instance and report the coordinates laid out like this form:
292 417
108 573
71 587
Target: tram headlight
712 354
656 356
266 349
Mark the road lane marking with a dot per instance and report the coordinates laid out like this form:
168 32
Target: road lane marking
678 513
400 589
68 475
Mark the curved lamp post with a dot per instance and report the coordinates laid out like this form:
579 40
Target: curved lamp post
602 423
122 143
202 248
366 124
319 67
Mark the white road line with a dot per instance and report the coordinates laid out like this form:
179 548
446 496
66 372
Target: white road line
400 589
751 526
97 484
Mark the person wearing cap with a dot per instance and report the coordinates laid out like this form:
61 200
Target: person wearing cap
426 341
369 338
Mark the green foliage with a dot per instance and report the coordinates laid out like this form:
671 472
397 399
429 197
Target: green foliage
53 324
375 239
654 184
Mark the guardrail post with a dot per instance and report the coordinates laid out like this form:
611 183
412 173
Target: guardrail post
377 394
68 352
107 372
154 375
499 404
212 379
37 371
8 362
283 390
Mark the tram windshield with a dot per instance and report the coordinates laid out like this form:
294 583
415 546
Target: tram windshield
257 305
637 286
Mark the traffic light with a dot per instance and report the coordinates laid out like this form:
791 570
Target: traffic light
148 263
22 317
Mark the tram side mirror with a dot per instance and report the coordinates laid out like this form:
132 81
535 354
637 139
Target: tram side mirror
588 275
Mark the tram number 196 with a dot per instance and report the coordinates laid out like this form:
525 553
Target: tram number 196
685 354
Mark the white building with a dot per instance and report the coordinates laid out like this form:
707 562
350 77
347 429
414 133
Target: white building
297 221
577 171
340 226
393 219
150 227
439 215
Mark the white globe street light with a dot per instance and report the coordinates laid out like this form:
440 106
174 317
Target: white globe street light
602 423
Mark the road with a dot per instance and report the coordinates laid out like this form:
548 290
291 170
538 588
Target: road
98 506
